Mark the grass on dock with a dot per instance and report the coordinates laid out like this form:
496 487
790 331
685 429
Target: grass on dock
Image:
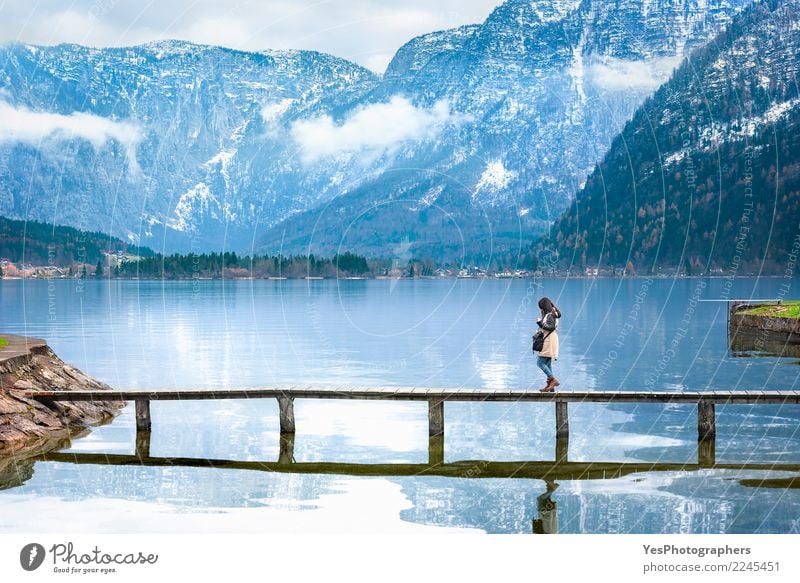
3 342
784 310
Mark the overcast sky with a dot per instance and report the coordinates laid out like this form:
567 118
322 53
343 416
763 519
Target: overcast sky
365 31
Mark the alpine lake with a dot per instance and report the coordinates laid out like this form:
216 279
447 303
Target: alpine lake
615 334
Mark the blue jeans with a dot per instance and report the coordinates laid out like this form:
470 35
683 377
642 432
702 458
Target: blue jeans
544 363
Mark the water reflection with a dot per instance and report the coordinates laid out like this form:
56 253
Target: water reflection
750 342
370 466
547 520
471 490
17 468
14 471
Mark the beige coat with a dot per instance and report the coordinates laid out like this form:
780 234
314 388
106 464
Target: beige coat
550 348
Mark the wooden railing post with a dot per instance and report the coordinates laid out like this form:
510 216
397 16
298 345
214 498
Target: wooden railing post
706 420
562 420
286 413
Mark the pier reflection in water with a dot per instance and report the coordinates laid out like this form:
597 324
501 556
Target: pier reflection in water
544 517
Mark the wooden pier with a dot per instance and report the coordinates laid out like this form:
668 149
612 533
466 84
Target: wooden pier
705 401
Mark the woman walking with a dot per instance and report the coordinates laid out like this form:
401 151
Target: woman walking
548 327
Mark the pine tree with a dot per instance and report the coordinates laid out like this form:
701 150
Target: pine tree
98 271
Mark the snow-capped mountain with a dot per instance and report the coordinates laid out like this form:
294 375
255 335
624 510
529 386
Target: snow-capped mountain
172 144
474 139
539 90
706 176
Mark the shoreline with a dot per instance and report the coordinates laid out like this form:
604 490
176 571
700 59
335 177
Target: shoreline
29 364
389 278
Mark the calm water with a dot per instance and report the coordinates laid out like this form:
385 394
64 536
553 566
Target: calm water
630 334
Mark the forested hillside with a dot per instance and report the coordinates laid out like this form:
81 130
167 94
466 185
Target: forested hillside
707 174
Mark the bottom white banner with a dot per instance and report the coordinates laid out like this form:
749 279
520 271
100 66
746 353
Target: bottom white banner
621 558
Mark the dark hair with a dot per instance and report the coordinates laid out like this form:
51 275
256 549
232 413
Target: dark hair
547 306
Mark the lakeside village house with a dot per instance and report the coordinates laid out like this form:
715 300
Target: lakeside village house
10 269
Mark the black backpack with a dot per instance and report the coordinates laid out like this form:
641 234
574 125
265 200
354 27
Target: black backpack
538 340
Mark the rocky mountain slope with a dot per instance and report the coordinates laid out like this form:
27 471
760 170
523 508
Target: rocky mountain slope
536 94
473 141
171 144
706 177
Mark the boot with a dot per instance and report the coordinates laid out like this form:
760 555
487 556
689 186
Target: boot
554 383
549 387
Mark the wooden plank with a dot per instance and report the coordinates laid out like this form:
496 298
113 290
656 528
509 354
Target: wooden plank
417 394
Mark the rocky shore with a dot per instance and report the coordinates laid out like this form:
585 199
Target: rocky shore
764 329
777 324
777 318
27 425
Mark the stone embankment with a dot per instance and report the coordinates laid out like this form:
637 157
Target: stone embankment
764 317
28 364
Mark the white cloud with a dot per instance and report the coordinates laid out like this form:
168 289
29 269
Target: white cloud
271 112
373 129
19 124
619 74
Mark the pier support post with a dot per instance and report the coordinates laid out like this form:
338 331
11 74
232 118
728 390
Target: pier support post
435 417
562 449
706 420
707 452
143 415
286 412
435 450
562 420
142 444
143 427
286 449
435 432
